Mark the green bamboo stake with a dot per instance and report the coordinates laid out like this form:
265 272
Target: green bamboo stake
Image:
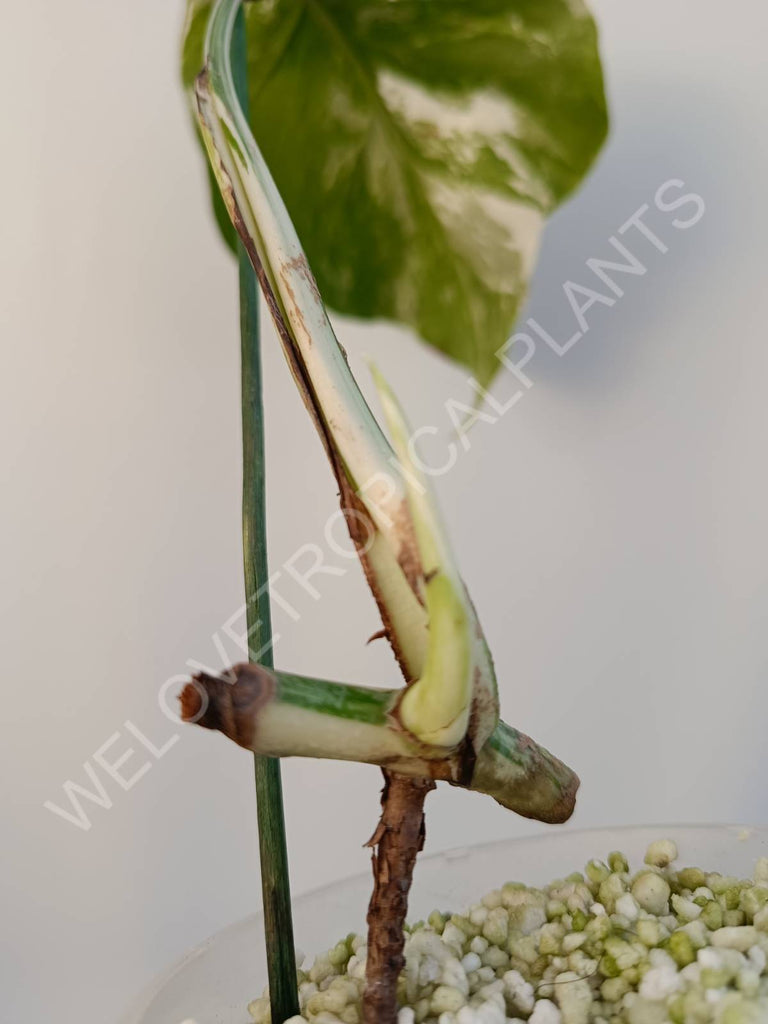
276 894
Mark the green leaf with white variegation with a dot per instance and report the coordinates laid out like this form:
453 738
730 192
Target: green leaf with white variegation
419 145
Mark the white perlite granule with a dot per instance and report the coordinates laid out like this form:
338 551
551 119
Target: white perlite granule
661 946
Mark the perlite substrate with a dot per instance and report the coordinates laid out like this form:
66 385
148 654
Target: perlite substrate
658 946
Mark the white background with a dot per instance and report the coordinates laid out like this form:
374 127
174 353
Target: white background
611 526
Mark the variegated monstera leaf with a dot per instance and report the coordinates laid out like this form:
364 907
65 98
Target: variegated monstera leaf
419 146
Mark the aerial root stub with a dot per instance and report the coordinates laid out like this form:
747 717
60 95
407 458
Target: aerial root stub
228 703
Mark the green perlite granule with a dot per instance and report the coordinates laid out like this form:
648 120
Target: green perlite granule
662 945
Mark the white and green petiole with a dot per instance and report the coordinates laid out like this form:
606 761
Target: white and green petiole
359 453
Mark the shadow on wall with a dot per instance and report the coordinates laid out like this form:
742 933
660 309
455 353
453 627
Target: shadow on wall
661 132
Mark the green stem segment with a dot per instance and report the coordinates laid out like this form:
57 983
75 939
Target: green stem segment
284 715
276 894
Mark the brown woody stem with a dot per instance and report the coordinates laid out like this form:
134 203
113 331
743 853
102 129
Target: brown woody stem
396 842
